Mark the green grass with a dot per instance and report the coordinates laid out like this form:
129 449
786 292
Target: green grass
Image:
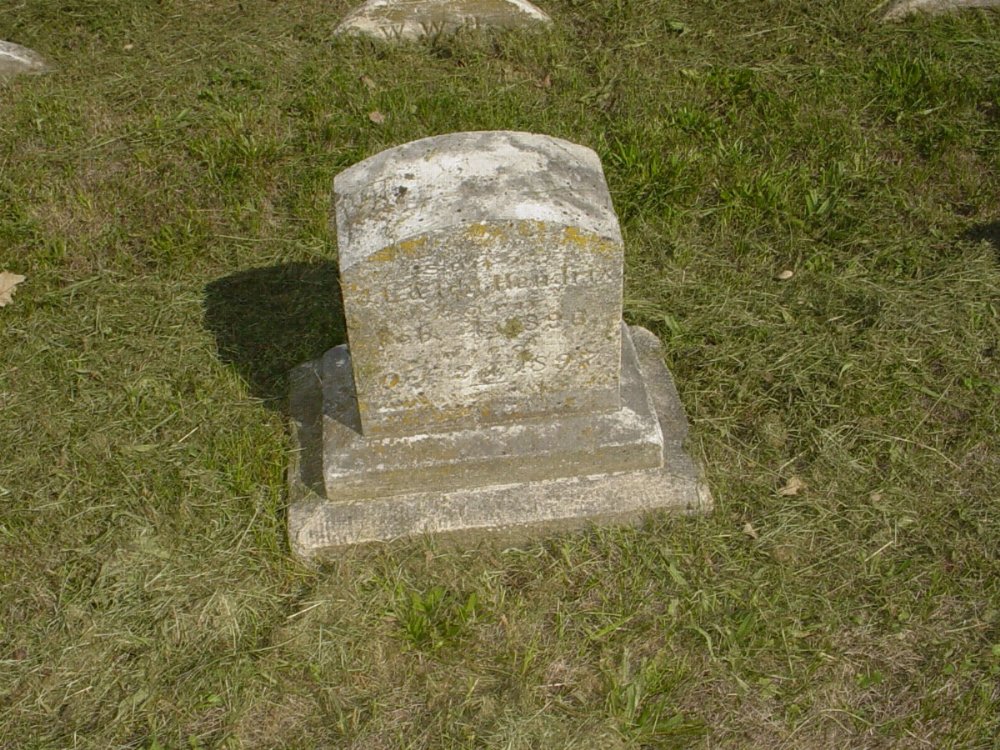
167 194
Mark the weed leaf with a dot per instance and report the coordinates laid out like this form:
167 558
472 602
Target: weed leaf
8 283
792 487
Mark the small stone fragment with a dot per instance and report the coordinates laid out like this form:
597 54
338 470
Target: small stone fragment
15 59
903 8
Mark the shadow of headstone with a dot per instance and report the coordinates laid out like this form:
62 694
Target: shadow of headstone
985 233
268 320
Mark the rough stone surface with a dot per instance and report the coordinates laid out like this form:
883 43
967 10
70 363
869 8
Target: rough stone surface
903 8
482 278
488 382
397 20
16 59
514 507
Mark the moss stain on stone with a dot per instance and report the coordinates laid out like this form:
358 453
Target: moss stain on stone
531 227
512 329
405 248
589 242
483 232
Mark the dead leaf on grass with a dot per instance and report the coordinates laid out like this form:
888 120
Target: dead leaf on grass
792 487
8 283
750 531
784 553
377 117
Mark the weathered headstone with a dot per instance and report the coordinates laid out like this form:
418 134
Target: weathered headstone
396 20
903 8
16 59
490 382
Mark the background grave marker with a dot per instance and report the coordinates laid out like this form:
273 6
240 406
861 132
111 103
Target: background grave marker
16 59
901 9
397 20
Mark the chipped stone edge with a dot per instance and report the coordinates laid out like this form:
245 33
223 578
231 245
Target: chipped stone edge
515 510
902 9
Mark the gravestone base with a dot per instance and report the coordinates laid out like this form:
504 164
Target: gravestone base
515 478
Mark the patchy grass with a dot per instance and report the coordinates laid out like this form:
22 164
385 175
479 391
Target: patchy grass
167 194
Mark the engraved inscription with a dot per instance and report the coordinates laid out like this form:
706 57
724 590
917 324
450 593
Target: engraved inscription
454 25
393 32
491 322
432 27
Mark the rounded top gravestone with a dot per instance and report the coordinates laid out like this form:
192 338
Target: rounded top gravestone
488 383
482 280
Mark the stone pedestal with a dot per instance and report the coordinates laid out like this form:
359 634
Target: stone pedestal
489 382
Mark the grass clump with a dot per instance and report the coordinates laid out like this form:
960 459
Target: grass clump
167 194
